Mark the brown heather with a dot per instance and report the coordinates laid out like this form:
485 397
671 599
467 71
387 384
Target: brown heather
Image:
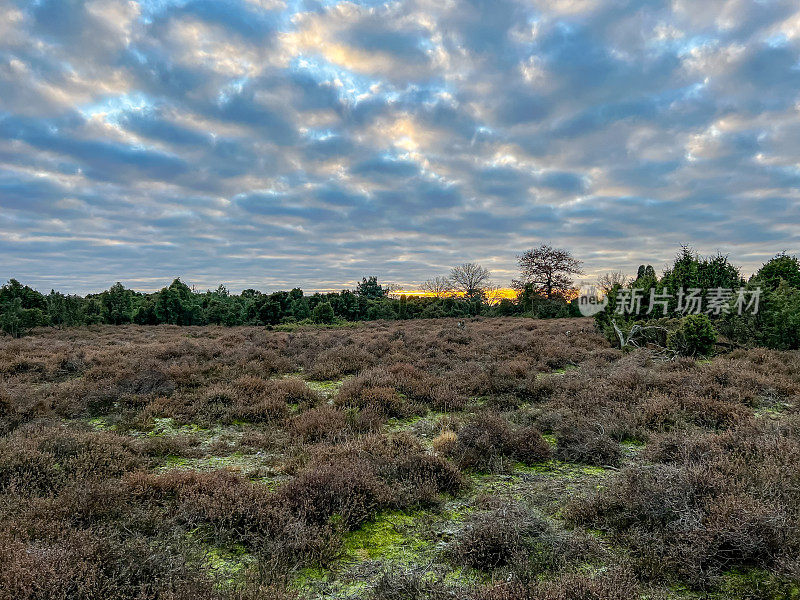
540 463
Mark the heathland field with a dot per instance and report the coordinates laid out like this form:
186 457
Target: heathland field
486 459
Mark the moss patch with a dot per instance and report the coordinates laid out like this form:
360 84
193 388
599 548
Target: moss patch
326 388
756 583
101 424
388 537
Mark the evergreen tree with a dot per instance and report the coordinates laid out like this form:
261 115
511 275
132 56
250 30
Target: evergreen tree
323 313
369 288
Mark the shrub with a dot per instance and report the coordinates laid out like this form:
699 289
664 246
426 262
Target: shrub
43 459
374 390
322 423
489 443
101 564
527 445
695 336
334 363
445 442
722 501
482 443
617 583
352 492
505 534
582 443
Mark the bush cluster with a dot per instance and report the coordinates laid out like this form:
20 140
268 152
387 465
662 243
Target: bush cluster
489 443
711 502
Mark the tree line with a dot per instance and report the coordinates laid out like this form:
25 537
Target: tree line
545 289
465 292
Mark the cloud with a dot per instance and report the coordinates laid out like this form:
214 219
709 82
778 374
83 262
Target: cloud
272 144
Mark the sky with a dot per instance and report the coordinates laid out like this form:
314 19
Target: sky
274 144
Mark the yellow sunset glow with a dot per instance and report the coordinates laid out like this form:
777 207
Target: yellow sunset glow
494 295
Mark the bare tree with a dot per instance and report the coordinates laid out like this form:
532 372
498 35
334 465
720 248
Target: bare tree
608 281
391 289
548 270
469 278
439 286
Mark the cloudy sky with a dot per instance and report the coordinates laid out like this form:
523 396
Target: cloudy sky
272 143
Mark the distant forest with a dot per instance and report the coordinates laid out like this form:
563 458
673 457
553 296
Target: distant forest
23 308
546 290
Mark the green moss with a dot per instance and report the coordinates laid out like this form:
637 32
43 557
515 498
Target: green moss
172 461
634 442
544 467
227 564
309 575
557 468
388 537
756 583
326 388
316 582
594 470
250 465
101 424
597 532
561 370
396 424
228 561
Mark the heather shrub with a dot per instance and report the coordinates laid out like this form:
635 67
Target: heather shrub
402 462
489 443
537 388
253 399
375 390
295 391
617 583
324 422
527 445
410 585
369 419
482 443
222 501
663 412
226 508
721 501
264 439
171 445
84 564
262 400
352 491
43 459
505 534
150 381
335 363
583 443
425 389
